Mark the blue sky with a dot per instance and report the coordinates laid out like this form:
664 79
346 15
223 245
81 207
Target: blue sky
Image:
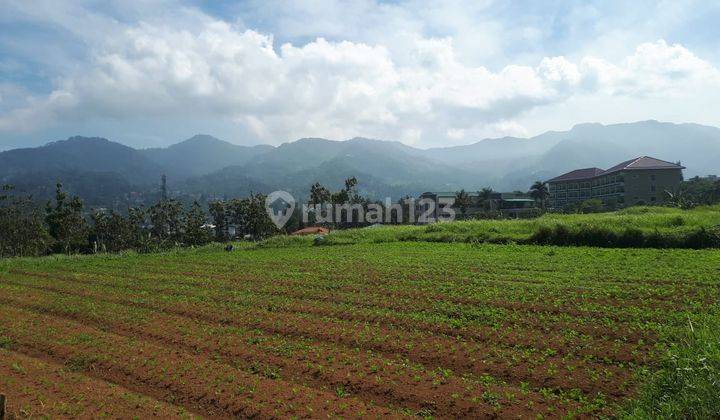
151 73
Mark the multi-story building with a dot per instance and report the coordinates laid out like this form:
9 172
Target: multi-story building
643 180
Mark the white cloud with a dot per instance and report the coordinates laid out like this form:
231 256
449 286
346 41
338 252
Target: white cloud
654 69
417 89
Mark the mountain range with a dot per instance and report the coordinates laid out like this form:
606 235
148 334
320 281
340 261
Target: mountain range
106 173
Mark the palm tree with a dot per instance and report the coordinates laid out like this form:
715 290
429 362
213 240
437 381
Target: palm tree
462 201
485 198
539 192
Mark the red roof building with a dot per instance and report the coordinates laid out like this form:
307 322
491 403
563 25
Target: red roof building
642 180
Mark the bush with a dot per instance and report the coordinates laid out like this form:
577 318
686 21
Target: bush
631 238
703 238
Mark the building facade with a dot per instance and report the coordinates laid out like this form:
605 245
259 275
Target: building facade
643 180
514 204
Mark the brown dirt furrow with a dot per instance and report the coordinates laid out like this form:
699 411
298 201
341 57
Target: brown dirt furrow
363 375
436 352
37 388
355 307
602 350
417 300
171 375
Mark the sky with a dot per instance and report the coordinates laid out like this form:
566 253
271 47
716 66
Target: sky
150 73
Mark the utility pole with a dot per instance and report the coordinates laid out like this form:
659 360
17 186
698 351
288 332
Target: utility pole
164 188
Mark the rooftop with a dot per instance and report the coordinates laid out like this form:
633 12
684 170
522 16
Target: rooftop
579 174
640 163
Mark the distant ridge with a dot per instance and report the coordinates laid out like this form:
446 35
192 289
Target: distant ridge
204 166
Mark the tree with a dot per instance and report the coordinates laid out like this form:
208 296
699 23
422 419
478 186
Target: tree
112 232
220 218
319 194
593 205
66 223
347 194
195 232
22 231
679 199
139 238
462 202
540 193
695 191
485 198
258 223
166 219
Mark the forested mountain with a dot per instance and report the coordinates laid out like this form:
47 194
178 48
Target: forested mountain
201 155
80 154
203 166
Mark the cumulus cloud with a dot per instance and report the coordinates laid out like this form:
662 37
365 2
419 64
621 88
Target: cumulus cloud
336 89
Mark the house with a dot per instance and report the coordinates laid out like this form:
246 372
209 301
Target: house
642 180
313 230
510 204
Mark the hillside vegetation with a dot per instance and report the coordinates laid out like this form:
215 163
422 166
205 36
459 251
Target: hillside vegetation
654 227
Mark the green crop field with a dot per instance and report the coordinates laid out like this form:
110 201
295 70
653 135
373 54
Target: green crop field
389 329
657 227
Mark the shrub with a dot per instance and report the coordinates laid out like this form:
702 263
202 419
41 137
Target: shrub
631 238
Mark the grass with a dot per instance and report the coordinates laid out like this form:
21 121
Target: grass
477 329
656 227
687 383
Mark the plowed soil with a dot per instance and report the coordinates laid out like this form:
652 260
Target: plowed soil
382 330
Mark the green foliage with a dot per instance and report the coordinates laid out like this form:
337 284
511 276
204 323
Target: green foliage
590 206
166 222
697 191
686 384
462 202
247 215
220 217
113 233
22 231
485 199
654 227
194 231
539 191
66 223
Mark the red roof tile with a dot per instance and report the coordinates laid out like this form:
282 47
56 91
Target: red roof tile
313 230
578 174
643 162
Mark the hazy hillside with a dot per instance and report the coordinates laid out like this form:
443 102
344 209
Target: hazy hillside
206 166
588 145
80 154
200 155
98 189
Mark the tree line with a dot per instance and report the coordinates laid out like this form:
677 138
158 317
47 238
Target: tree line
64 226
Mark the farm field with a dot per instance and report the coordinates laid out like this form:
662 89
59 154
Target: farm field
637 227
389 329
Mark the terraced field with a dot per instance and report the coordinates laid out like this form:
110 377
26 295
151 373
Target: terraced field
395 329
